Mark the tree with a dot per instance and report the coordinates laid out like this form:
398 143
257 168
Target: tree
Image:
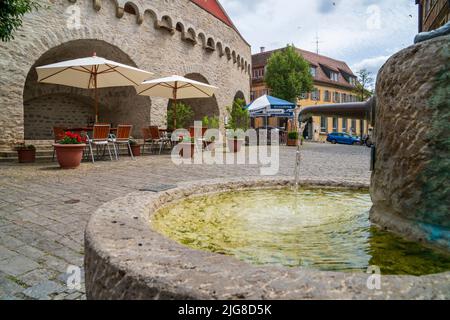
363 88
184 113
288 74
239 116
11 14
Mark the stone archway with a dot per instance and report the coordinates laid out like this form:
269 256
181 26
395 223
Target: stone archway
240 95
200 106
47 105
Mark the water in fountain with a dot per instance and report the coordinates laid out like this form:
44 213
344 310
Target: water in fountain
298 156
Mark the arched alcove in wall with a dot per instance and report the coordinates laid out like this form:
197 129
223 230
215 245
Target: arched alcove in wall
48 105
200 106
240 95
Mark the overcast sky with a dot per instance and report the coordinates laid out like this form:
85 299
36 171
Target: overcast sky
363 33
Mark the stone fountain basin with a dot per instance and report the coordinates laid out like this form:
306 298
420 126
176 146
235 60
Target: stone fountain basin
126 259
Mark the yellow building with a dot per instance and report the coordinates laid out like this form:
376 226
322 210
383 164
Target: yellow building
334 82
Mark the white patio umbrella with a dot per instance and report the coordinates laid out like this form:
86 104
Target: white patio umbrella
91 73
176 87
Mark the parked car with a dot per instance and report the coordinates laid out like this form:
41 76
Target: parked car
342 138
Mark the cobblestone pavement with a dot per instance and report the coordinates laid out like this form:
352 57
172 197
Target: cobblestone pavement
44 210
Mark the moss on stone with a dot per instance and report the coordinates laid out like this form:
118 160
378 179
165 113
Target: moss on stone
435 178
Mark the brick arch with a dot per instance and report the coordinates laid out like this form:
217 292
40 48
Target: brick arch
47 105
240 95
132 8
200 106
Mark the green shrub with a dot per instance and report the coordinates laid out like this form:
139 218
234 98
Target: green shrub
239 116
293 135
184 117
211 122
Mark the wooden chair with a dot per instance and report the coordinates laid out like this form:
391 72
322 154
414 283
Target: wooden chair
122 137
58 135
147 138
100 137
153 136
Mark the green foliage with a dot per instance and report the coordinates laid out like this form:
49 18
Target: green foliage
24 146
293 135
288 75
11 14
211 122
184 116
363 85
239 116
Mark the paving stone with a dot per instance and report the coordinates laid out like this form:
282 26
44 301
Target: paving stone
43 290
37 276
9 287
6 254
30 252
17 265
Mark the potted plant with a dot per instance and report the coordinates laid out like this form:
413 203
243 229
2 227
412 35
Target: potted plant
187 143
239 119
26 153
135 147
211 123
69 151
292 139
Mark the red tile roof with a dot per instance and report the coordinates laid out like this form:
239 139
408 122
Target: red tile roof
321 62
216 9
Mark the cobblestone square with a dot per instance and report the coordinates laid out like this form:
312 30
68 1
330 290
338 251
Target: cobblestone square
44 210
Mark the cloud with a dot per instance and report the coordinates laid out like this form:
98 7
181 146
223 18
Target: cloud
372 64
350 30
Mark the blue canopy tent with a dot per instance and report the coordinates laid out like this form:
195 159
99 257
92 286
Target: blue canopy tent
268 106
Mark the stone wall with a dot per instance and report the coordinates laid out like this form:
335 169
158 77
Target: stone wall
410 184
46 112
164 37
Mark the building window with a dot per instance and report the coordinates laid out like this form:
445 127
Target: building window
327 96
337 97
352 81
344 125
313 71
335 124
334 76
323 124
304 95
315 95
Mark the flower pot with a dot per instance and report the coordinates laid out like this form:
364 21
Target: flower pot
26 156
136 149
292 142
69 155
235 145
186 146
